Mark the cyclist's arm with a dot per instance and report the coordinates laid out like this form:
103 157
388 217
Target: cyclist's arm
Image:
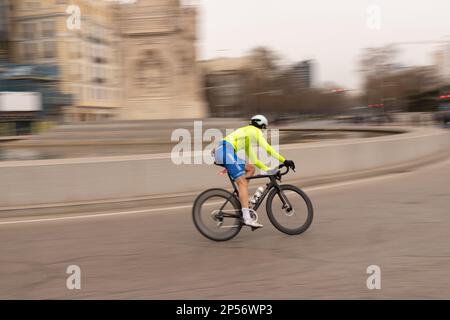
253 158
266 146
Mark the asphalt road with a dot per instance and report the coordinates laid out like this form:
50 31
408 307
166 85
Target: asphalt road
399 222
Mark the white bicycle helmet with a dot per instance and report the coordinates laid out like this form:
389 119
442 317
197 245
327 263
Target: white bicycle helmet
259 121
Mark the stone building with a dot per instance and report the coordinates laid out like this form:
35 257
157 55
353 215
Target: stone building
4 28
161 78
44 32
123 60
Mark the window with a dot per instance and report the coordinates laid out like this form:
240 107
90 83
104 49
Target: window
29 31
74 71
75 50
49 49
79 92
87 52
48 29
96 54
29 51
87 73
76 90
106 56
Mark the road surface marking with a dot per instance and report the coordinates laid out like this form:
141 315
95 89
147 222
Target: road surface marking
352 182
109 214
156 210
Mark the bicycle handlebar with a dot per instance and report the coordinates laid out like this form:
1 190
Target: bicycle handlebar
278 175
281 166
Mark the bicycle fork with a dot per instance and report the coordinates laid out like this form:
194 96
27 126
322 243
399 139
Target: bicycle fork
286 204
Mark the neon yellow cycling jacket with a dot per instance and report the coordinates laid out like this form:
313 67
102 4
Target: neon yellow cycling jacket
242 139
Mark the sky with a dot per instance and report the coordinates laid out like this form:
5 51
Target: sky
331 32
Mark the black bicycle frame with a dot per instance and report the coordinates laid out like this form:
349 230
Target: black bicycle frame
272 184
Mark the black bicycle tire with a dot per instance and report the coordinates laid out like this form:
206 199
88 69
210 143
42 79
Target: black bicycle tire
274 221
201 198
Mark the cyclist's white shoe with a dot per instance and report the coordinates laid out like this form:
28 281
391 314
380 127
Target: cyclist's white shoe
252 223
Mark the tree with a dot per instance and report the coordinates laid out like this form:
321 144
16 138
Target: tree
392 86
263 73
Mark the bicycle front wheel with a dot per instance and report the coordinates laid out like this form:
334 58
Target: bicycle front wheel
217 215
294 219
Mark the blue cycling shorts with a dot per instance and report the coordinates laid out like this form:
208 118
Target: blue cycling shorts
226 156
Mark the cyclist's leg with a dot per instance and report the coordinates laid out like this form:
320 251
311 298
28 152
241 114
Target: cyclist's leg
242 184
249 170
236 167
226 156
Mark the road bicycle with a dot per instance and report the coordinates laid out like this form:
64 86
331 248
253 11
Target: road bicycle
217 212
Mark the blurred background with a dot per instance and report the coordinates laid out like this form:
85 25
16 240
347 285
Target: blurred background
91 92
82 61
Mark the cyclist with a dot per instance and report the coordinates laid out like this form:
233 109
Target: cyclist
226 155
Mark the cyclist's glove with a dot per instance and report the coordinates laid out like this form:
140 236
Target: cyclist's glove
289 164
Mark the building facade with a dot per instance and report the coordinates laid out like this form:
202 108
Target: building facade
301 74
161 78
118 59
442 63
4 28
86 54
225 81
32 79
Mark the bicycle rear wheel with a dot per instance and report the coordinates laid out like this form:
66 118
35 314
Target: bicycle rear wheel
294 221
216 215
